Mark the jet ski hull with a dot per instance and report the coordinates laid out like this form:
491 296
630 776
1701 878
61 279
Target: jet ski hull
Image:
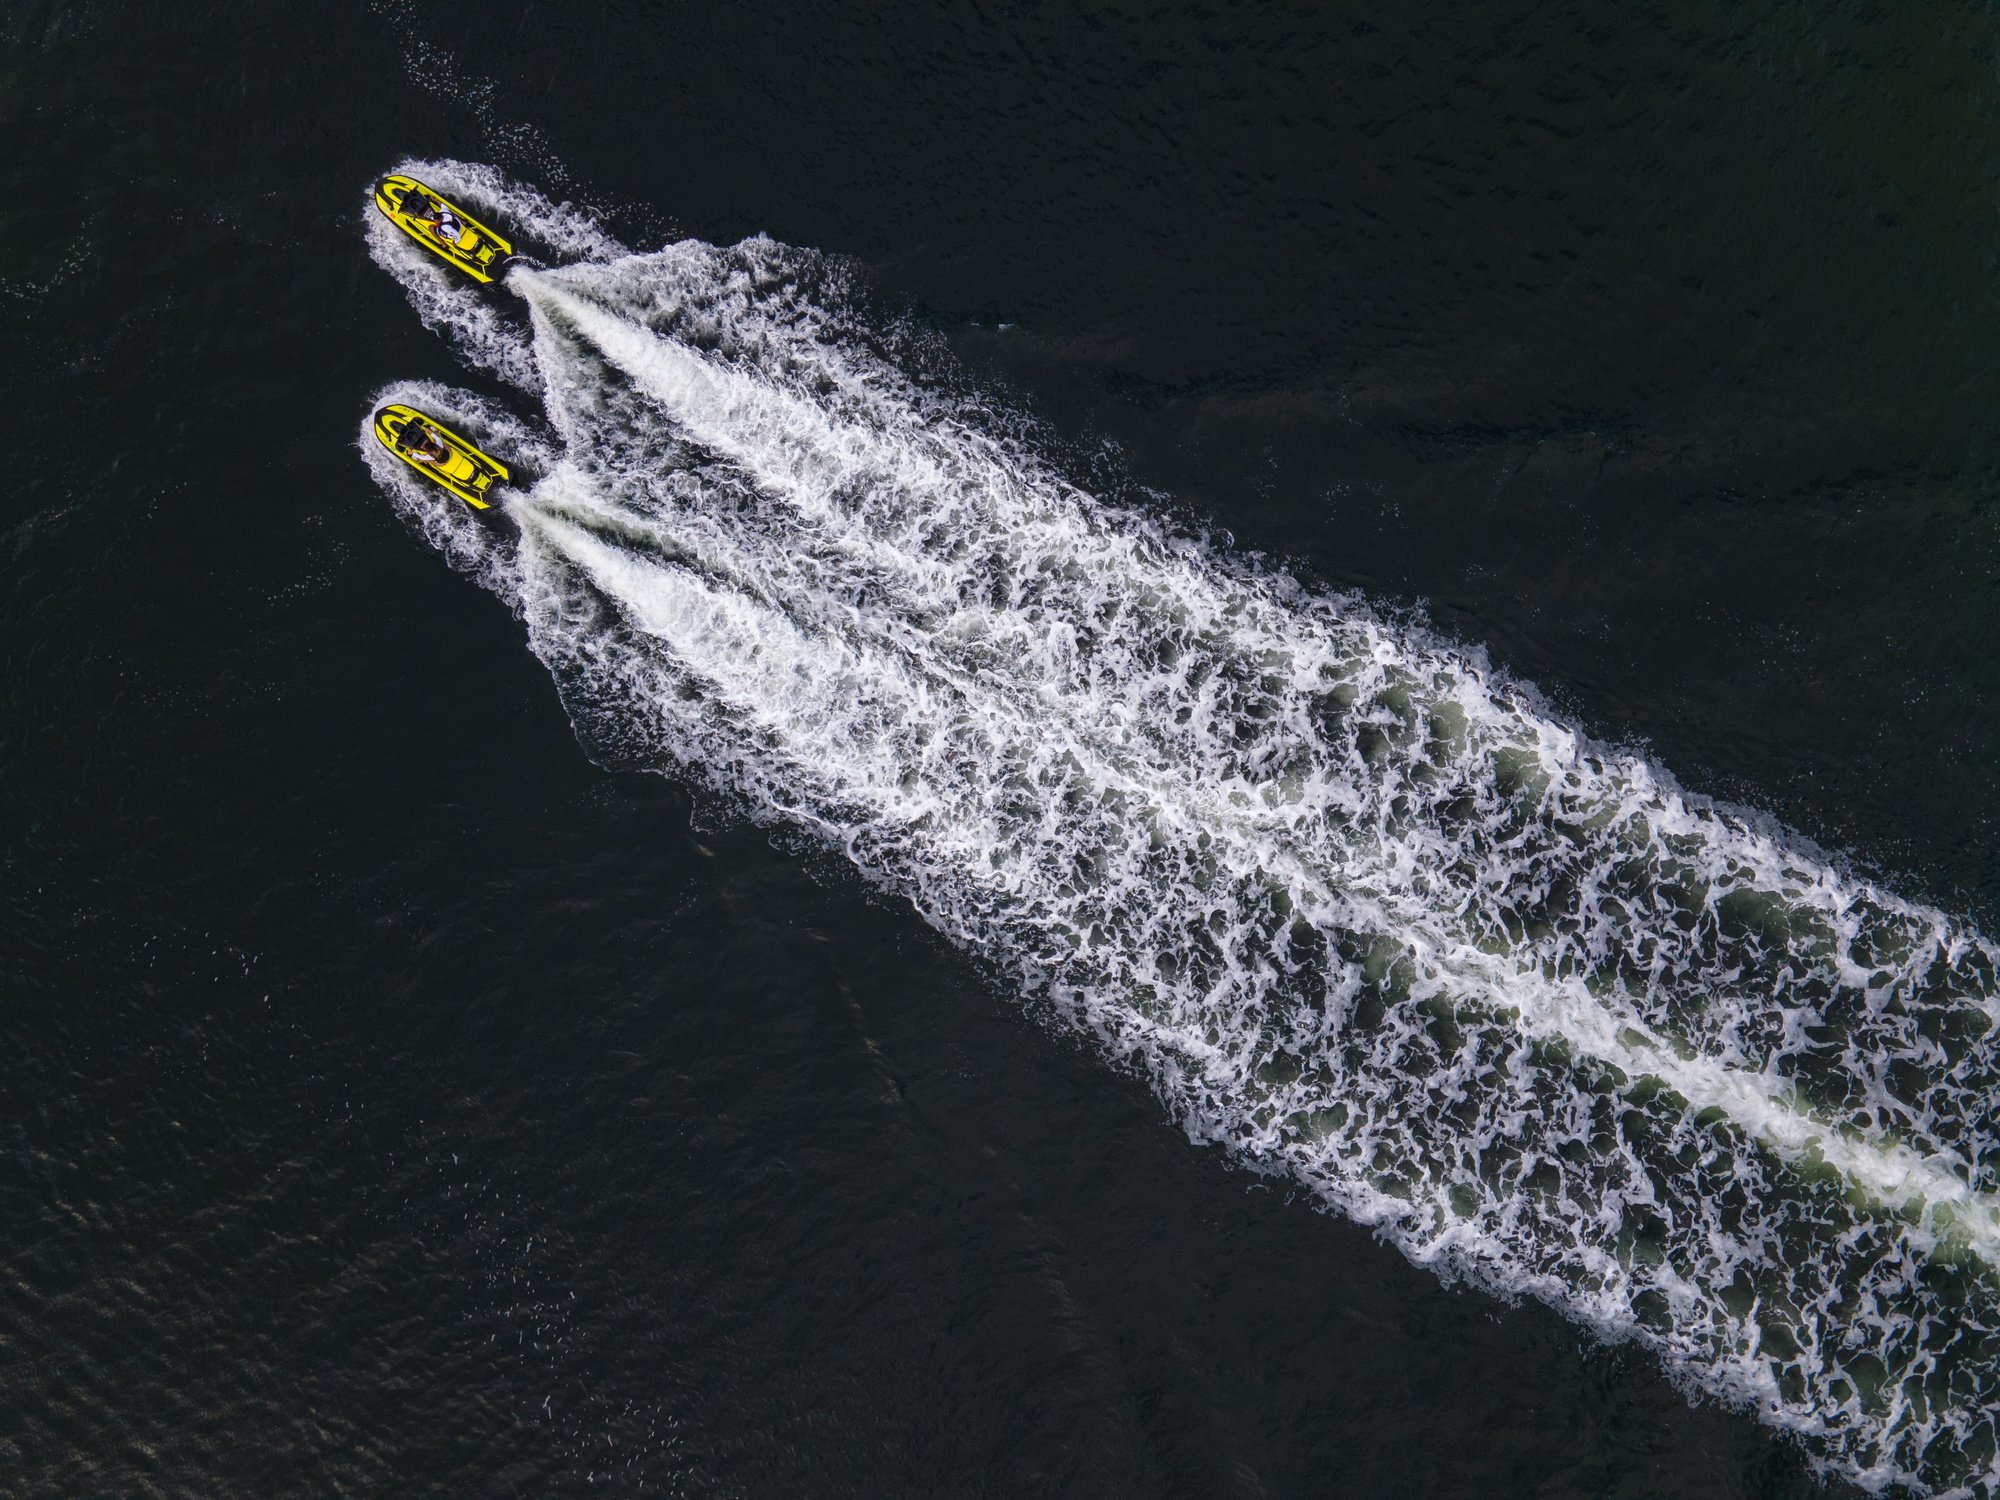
428 217
464 471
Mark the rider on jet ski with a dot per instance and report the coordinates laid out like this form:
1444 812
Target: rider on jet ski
435 215
422 443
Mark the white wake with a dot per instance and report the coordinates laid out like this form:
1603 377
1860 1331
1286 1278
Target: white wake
1365 914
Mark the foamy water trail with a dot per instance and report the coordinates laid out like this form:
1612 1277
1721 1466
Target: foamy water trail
1366 914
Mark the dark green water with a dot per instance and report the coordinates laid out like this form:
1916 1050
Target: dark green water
399 1104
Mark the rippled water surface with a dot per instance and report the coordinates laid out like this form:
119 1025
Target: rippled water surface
1114 630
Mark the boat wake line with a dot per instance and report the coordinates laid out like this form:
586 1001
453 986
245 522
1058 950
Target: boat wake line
1364 912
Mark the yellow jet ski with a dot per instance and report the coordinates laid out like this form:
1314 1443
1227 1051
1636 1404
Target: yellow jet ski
442 227
439 454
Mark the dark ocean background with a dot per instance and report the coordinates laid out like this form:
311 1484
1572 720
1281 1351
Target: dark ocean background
393 1102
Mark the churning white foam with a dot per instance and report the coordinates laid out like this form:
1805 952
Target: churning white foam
1363 912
